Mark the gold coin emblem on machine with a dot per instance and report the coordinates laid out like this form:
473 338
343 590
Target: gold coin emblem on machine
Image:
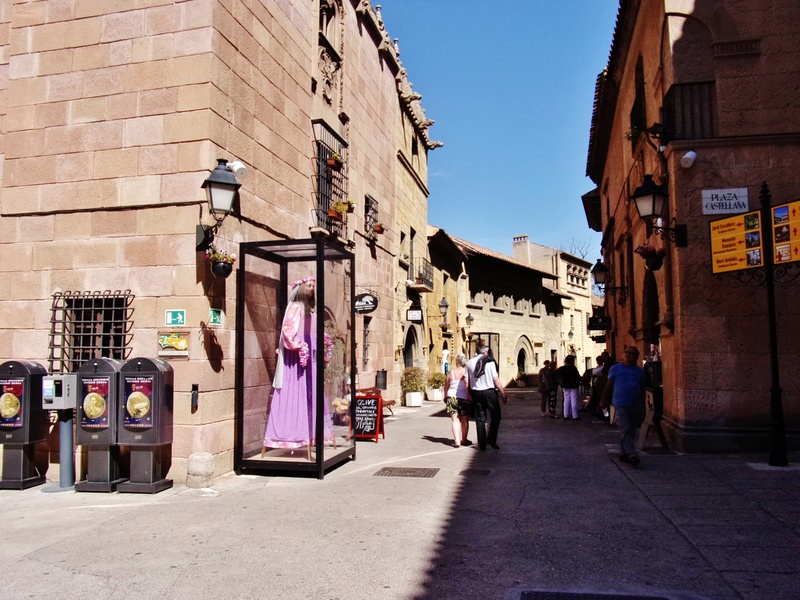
138 405
9 406
94 405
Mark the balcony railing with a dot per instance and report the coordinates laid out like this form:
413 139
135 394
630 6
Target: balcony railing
691 111
420 276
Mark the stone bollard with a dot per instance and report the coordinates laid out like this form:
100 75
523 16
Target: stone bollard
200 472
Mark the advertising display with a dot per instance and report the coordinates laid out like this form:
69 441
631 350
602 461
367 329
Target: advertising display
786 232
736 243
95 413
10 403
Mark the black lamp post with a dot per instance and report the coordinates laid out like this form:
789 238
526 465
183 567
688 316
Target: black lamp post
221 188
443 306
650 199
600 276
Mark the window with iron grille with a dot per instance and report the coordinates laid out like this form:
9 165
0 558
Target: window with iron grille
331 178
87 325
370 215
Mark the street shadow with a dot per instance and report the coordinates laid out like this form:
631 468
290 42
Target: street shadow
438 440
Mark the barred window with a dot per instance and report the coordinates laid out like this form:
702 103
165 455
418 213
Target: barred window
87 325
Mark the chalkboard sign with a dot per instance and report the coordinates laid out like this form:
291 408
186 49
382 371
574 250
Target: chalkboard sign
368 421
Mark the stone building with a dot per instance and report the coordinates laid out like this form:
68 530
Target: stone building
506 304
574 281
114 113
698 104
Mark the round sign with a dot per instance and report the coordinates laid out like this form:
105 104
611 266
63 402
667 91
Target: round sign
138 405
9 405
94 405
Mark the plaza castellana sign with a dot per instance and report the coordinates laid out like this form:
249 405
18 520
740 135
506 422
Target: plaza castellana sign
737 243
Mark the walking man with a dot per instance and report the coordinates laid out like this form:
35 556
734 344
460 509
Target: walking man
543 385
550 387
484 386
625 388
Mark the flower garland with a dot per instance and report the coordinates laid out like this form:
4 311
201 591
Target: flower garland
304 280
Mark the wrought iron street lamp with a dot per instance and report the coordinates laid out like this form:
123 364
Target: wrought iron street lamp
601 278
650 199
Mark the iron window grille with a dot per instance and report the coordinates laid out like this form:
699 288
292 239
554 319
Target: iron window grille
331 177
370 216
87 325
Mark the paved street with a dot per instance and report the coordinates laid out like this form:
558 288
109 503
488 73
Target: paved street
552 511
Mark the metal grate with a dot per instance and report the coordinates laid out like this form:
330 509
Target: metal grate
573 596
86 325
406 472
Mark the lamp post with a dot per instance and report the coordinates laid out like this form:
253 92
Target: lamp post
443 306
650 199
600 276
221 188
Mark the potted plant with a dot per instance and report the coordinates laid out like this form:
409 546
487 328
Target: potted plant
378 228
221 261
653 257
436 383
522 378
343 206
412 382
335 162
444 326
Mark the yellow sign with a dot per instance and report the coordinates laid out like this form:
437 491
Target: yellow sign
786 232
736 243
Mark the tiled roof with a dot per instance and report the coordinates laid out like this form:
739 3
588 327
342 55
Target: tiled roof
469 247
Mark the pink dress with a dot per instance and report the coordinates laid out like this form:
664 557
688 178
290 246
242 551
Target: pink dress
290 421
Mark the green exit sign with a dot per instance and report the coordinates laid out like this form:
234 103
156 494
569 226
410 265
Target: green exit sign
175 317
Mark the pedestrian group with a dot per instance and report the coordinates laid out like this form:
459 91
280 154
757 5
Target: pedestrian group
614 391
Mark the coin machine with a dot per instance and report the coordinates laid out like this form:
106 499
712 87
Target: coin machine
96 430
144 423
23 423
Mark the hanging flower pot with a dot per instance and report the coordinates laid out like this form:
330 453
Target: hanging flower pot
221 261
654 263
378 228
334 215
221 269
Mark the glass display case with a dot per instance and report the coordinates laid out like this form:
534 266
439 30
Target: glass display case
294 357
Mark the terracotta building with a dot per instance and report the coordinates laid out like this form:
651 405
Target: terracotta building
113 116
698 106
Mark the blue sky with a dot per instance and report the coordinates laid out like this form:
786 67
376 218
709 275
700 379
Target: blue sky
510 86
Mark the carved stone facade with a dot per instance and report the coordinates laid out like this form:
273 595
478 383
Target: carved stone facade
112 120
702 97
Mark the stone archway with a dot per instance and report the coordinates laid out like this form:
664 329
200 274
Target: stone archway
410 347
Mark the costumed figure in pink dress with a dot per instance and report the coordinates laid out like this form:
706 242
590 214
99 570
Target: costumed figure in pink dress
291 422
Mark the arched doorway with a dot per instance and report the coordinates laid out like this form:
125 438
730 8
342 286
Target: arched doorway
522 361
651 330
410 347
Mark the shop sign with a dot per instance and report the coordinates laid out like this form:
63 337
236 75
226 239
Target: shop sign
414 315
366 303
600 323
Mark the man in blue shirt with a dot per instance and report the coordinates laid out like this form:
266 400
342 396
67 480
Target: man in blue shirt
625 387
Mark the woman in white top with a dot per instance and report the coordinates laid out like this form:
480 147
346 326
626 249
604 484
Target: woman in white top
458 402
